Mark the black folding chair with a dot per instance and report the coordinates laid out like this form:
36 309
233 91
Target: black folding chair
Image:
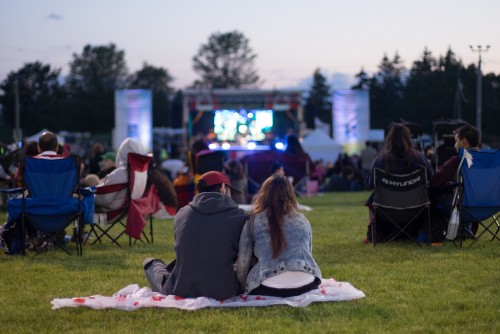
399 203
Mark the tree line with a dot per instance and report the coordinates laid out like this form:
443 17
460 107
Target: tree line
432 89
84 99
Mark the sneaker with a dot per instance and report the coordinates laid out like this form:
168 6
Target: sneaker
154 274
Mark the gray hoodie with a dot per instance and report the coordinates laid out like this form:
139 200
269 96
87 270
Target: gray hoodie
207 233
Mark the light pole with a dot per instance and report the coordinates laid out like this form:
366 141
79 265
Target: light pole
479 49
17 130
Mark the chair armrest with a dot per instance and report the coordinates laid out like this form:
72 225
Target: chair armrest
87 191
12 191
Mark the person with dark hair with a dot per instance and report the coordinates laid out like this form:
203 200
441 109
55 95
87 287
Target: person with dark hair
367 156
235 172
48 142
442 184
340 182
97 152
207 232
396 157
293 145
48 146
467 137
276 168
281 240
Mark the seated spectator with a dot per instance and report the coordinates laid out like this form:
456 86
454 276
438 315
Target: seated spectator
397 157
172 167
107 164
116 200
340 182
276 168
206 236
443 183
280 238
236 174
97 152
165 188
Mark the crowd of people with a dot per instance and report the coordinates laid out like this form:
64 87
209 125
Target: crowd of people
221 251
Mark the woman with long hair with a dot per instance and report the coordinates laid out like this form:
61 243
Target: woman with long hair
279 239
398 156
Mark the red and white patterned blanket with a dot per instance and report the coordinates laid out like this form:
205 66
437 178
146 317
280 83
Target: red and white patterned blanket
133 297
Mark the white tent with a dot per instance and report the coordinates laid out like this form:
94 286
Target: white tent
37 135
321 146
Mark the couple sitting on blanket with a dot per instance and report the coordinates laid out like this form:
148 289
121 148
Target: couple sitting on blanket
273 256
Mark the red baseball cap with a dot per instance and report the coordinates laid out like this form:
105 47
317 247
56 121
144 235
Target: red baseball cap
212 178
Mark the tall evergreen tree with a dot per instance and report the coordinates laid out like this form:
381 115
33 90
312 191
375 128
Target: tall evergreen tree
363 80
422 91
225 61
318 103
386 91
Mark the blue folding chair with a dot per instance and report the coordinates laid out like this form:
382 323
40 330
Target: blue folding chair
478 193
51 200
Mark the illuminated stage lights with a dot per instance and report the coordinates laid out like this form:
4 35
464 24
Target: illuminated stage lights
213 146
232 126
226 146
279 146
251 145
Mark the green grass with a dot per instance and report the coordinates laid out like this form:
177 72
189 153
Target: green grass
408 289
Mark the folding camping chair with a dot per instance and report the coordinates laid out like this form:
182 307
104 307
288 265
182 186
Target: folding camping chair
399 200
51 201
141 202
478 194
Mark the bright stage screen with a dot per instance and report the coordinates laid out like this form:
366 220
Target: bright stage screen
231 125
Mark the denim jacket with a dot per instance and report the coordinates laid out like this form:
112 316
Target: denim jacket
297 256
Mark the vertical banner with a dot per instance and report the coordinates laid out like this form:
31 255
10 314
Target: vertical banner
133 117
351 116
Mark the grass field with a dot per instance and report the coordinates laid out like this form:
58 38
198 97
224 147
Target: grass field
408 289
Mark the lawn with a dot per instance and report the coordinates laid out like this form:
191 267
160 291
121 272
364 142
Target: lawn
408 289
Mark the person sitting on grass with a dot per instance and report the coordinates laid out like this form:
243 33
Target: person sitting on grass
280 238
207 232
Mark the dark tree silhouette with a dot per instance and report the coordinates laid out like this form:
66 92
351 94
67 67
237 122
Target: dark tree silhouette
94 76
225 61
318 103
40 98
158 80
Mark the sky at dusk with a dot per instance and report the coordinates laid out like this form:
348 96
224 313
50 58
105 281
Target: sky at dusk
291 38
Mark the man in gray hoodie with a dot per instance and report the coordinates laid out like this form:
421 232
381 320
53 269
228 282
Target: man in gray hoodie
207 233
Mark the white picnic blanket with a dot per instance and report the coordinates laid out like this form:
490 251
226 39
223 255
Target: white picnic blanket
133 297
